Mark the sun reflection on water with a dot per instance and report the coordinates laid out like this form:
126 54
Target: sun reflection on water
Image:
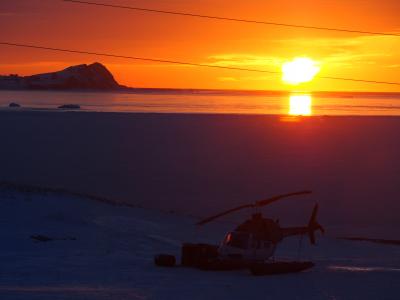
300 105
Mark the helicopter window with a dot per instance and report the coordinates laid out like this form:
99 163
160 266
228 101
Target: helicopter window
237 240
256 244
267 244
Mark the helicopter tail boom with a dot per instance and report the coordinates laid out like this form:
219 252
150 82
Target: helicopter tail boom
292 231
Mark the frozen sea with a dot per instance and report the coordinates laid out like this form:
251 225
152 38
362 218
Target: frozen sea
203 101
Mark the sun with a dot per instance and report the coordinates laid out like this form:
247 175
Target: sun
299 70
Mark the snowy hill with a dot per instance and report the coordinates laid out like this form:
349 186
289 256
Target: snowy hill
105 251
93 76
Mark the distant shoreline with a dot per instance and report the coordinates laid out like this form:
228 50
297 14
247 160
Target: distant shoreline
278 117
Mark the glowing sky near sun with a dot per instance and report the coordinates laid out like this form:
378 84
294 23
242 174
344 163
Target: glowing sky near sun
60 24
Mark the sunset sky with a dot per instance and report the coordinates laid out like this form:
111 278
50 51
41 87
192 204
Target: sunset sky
55 23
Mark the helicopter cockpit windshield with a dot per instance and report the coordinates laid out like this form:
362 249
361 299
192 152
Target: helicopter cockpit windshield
237 240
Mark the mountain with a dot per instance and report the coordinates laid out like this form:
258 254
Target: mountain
94 76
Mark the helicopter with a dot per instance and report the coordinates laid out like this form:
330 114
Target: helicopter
256 239
251 244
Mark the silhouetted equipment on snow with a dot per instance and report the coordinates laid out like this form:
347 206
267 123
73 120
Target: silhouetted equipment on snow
194 255
44 238
252 243
165 260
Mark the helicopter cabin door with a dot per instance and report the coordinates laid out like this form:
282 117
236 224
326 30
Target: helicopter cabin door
262 249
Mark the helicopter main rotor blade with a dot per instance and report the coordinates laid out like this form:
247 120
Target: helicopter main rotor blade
256 204
212 218
276 198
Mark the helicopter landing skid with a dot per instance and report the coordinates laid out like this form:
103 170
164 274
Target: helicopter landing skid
205 257
274 268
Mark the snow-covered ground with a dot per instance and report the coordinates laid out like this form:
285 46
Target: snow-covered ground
110 256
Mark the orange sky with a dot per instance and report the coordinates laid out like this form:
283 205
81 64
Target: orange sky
58 24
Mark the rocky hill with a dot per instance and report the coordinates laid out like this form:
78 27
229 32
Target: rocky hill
93 76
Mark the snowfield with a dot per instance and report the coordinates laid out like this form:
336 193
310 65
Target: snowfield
108 254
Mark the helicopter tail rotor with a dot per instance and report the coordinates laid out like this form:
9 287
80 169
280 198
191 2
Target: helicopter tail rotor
313 225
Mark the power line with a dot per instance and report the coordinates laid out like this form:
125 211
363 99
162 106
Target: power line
181 62
136 58
186 14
